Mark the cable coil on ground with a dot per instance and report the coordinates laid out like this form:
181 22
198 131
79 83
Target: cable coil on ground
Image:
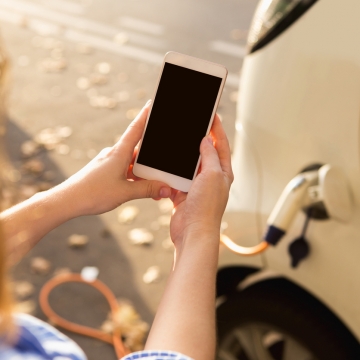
114 339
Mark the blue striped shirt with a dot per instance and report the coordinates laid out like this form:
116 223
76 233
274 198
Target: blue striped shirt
38 340
156 355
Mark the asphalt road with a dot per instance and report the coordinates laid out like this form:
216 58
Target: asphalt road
130 37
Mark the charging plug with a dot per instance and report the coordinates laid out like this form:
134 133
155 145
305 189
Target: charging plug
299 249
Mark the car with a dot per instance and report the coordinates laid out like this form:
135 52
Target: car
296 195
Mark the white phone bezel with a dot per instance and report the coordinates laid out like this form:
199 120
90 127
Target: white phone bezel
192 63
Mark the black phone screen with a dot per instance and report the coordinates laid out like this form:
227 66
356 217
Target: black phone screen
179 120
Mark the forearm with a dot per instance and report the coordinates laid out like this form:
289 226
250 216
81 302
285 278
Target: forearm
185 320
26 223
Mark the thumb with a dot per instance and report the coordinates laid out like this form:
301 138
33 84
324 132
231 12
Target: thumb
134 131
209 156
149 189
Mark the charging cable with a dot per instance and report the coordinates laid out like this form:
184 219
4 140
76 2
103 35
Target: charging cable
114 339
292 199
327 186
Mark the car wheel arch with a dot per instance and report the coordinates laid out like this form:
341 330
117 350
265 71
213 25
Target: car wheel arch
245 279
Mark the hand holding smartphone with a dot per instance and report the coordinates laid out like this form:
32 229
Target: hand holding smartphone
184 106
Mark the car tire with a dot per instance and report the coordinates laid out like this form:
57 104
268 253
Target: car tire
277 320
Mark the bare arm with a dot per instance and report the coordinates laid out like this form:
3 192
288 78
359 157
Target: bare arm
102 185
185 320
26 223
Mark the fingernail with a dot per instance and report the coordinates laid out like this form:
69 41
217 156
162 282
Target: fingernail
164 192
148 102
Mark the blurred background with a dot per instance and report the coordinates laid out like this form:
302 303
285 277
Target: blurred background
79 71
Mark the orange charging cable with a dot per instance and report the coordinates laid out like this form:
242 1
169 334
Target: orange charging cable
114 339
242 250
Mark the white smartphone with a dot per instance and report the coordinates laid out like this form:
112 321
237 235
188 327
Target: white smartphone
181 114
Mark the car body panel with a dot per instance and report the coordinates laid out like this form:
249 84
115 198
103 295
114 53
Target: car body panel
300 104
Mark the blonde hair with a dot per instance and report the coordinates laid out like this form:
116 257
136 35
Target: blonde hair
5 294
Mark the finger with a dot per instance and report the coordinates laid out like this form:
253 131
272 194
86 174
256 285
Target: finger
222 145
209 156
149 189
136 150
133 133
130 175
177 197
174 192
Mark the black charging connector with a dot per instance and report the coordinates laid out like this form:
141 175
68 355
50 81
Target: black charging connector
299 249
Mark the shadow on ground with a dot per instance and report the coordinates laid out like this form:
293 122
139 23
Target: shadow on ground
77 302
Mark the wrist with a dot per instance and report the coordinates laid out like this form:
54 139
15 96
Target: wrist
199 250
206 230
199 238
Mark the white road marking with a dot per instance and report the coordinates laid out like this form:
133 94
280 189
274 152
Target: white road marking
146 41
141 25
226 48
44 28
30 9
74 24
10 17
131 52
108 45
63 5
79 23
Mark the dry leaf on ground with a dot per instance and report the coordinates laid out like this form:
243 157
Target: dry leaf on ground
78 241
131 113
140 236
62 149
151 275
40 265
23 289
103 68
129 323
26 307
122 96
62 271
83 83
34 166
164 220
29 148
165 205
128 214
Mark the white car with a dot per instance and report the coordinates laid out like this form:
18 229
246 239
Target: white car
297 128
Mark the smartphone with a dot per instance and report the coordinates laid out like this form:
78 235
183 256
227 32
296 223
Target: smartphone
181 114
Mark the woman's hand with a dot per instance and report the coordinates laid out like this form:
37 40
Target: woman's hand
189 299
102 185
200 211
107 181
